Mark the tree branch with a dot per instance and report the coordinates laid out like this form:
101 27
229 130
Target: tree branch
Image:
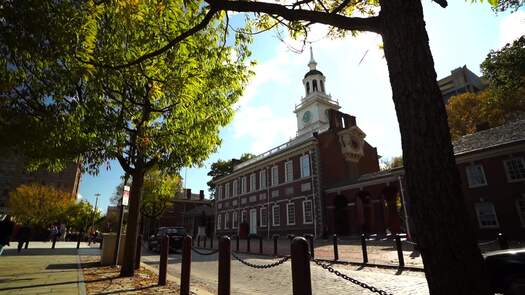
370 24
200 26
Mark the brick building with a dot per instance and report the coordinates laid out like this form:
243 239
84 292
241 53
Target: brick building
327 180
13 174
190 211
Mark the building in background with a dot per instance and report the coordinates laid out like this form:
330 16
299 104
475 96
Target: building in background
13 174
327 179
192 211
459 81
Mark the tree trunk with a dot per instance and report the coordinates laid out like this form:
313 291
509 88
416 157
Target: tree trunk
452 259
140 240
128 265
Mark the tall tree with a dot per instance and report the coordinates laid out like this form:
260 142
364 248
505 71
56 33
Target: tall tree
222 168
159 191
453 262
59 104
467 111
39 205
504 69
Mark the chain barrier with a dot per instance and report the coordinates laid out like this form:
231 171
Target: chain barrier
204 253
409 242
487 243
261 266
346 277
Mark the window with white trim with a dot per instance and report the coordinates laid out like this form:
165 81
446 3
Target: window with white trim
226 220
235 187
305 165
235 220
243 185
475 176
307 212
520 205
486 215
253 182
244 216
290 214
227 190
275 176
262 179
515 169
288 171
264 216
276 216
219 221
219 192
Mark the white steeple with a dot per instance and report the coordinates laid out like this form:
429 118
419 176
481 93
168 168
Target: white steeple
312 64
312 112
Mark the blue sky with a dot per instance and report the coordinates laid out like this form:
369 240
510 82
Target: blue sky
461 34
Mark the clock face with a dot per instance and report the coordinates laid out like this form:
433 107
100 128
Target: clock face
307 116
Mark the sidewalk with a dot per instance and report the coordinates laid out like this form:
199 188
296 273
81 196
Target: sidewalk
41 270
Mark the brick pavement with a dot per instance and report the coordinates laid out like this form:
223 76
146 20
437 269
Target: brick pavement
277 280
41 270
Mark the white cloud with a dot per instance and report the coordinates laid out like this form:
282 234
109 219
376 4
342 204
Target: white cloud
512 27
79 197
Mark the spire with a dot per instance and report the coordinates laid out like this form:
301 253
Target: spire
312 64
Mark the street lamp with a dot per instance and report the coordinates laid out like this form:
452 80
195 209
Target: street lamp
94 212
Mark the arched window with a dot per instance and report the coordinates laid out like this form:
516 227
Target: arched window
307 88
322 85
314 86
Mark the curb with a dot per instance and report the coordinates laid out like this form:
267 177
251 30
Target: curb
81 284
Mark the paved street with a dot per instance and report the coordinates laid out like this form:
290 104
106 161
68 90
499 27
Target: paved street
277 280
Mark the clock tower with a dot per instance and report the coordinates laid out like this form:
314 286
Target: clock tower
312 112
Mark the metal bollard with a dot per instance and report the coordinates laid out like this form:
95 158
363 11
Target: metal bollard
275 237
237 246
54 242
399 247
163 265
224 266
336 251
198 241
301 280
101 241
205 238
502 241
248 242
311 245
363 247
211 241
185 266
260 245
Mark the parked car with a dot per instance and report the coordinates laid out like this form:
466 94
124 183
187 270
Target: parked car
176 234
506 270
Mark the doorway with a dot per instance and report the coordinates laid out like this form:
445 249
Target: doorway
341 220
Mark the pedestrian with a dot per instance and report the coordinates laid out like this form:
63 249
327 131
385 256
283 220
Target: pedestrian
6 230
23 237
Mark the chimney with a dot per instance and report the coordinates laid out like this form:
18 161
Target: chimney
201 194
188 193
482 126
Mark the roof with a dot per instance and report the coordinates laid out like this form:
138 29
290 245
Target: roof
505 134
312 72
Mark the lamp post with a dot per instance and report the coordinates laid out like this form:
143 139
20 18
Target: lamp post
94 212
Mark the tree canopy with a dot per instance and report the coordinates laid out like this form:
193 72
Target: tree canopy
159 191
64 100
81 215
502 101
39 205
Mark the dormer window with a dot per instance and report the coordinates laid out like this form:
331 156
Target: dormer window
314 86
